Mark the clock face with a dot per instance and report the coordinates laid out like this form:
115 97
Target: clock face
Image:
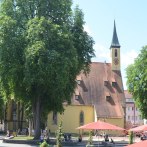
116 61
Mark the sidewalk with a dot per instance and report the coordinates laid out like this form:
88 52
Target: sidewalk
119 141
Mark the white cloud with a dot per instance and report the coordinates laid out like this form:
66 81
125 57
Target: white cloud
87 29
128 57
102 53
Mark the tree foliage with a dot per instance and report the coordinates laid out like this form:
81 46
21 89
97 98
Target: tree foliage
43 47
137 81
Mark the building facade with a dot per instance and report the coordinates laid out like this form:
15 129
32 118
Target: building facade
133 116
98 95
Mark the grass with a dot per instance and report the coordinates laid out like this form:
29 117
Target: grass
23 138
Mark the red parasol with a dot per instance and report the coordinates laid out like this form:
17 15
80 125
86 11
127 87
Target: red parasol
139 128
100 125
141 144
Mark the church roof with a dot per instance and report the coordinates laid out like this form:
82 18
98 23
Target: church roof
102 88
115 42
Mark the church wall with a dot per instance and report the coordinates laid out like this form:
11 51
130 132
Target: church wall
115 121
71 118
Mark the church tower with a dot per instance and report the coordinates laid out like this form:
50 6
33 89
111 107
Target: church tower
115 50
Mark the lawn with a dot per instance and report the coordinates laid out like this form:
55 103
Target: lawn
23 138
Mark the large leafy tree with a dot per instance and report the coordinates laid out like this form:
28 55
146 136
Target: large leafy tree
137 81
43 47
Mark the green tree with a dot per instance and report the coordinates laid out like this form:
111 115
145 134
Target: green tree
43 47
137 81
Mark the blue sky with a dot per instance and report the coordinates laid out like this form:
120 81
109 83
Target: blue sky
131 25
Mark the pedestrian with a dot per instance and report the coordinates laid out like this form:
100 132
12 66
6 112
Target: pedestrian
80 138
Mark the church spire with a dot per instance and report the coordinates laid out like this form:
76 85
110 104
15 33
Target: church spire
115 42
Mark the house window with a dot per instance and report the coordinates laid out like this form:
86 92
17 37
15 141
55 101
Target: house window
81 118
55 118
115 52
132 117
128 117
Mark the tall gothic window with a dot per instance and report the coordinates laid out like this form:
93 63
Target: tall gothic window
55 118
81 118
115 52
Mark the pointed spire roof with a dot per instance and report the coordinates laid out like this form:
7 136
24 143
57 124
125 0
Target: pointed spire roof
115 42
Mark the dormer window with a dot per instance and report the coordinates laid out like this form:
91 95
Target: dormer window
78 82
105 83
77 97
77 94
108 97
114 83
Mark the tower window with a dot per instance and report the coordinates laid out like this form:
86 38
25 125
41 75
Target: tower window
81 118
115 52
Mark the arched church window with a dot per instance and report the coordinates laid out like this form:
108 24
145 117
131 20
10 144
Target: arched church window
115 52
81 118
55 118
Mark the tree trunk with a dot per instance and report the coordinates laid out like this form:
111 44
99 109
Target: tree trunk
22 118
30 127
37 118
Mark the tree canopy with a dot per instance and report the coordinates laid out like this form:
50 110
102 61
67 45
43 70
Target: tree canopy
43 47
137 81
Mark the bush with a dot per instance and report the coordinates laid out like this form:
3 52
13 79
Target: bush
59 136
44 144
90 138
130 137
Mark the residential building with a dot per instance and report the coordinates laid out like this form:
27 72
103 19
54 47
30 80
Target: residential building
133 115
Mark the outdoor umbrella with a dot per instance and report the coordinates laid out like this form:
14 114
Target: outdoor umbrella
100 125
139 128
138 144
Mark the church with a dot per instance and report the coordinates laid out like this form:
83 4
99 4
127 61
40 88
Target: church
99 95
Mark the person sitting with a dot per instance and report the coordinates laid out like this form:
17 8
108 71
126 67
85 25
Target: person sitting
106 138
69 137
80 138
8 133
112 141
41 138
65 137
143 137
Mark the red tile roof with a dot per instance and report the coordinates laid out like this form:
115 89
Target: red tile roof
127 94
93 91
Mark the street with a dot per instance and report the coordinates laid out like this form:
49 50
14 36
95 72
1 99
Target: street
15 145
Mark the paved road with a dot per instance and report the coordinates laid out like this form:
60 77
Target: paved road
14 145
